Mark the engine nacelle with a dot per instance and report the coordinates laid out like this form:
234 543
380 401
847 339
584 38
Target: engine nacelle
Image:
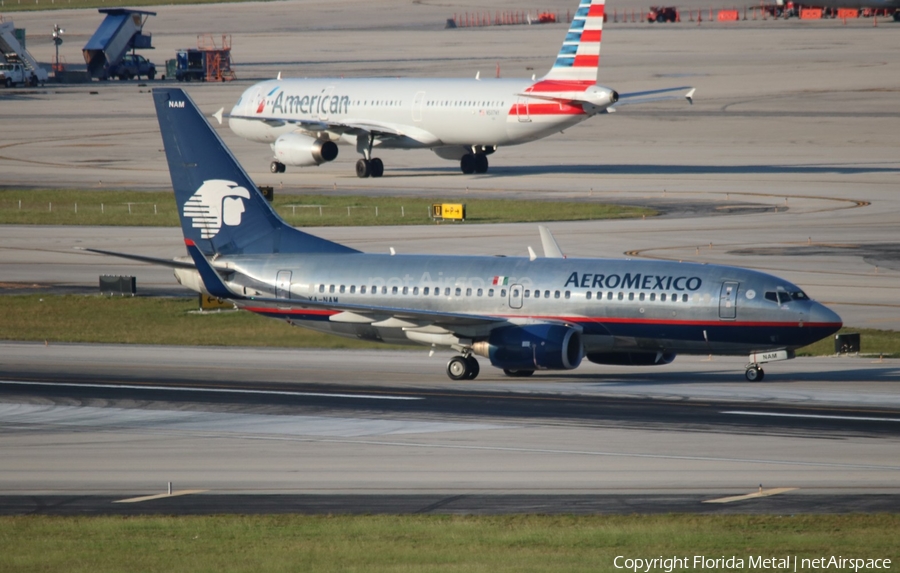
632 358
303 151
533 347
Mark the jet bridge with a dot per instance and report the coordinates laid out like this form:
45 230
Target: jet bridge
12 49
122 30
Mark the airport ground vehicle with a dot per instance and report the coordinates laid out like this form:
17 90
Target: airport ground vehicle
14 74
133 66
662 14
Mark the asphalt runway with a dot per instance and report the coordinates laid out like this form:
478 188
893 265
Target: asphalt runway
787 163
356 432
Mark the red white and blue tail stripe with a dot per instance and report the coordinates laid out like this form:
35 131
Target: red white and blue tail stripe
579 57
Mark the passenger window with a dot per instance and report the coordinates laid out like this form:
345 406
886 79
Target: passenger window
515 293
547 294
468 292
394 290
527 293
415 290
342 289
331 288
537 293
641 296
447 291
503 292
631 296
684 297
405 290
321 288
480 291
609 295
362 289
621 296
568 294
652 296
425 291
352 289
458 291
587 295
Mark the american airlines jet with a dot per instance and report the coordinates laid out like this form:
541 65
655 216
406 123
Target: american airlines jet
463 120
522 314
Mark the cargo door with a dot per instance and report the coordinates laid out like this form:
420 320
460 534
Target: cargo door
728 300
283 284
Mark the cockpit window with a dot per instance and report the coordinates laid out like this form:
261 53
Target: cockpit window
783 297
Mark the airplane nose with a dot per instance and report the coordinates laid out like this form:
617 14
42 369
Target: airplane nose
821 314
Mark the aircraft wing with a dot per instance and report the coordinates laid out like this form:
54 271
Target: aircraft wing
655 95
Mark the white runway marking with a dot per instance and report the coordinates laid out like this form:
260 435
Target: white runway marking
218 390
813 416
160 496
754 495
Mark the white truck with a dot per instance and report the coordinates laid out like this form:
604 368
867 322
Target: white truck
12 74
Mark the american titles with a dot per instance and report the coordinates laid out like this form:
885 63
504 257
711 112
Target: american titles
310 104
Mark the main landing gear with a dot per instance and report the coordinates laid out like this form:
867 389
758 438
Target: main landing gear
277 167
369 168
473 163
463 368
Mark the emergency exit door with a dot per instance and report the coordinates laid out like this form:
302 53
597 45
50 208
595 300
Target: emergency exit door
728 300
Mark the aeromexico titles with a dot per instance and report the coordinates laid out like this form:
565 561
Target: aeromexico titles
522 314
463 120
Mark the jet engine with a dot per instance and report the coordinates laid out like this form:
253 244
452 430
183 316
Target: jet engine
631 358
303 151
532 347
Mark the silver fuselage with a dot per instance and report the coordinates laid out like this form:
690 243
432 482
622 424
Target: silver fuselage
619 304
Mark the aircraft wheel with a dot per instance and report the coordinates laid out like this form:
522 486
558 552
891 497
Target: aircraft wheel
376 166
363 170
277 167
467 164
755 374
481 163
518 373
458 368
474 367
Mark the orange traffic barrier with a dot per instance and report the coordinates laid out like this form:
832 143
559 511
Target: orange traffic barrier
848 13
728 16
811 14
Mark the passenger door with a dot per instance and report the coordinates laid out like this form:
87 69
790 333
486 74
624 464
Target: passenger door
728 300
515 296
283 284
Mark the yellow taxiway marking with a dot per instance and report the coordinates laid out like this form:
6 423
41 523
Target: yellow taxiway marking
760 493
160 495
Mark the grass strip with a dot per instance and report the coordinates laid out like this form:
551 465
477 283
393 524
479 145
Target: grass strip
158 320
157 209
385 543
151 320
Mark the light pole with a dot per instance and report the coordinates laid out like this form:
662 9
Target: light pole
57 39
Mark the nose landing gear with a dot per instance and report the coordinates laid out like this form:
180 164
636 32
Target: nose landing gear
754 373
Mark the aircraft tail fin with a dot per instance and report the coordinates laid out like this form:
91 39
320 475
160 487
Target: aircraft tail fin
221 209
579 58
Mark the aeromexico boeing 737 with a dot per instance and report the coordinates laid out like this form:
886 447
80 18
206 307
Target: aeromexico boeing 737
521 313
463 120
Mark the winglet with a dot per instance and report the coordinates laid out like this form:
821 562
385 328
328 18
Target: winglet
212 282
690 96
551 248
218 115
